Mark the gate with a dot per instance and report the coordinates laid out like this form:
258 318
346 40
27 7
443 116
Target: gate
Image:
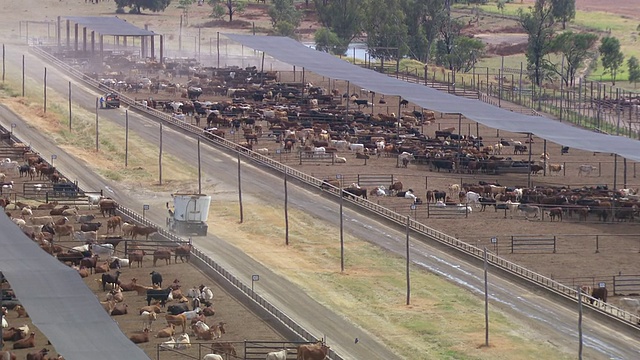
626 284
533 244
368 180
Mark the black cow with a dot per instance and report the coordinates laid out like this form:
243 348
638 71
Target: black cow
440 195
353 192
177 309
443 164
160 295
599 294
484 202
90 226
156 278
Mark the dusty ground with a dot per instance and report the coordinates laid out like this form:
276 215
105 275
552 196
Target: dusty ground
242 324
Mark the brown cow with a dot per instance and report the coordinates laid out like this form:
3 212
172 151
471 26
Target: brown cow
107 207
555 213
177 320
316 351
598 294
395 187
142 230
183 251
113 223
162 254
137 256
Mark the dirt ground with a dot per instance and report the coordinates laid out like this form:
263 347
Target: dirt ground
626 8
241 323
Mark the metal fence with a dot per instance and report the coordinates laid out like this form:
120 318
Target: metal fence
399 219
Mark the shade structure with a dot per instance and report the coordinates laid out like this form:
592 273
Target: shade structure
106 25
58 301
292 52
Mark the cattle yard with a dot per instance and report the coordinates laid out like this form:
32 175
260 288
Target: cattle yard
299 119
26 207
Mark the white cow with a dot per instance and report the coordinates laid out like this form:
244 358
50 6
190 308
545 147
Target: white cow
206 294
586 169
410 195
102 250
183 342
213 357
528 210
93 199
5 324
277 355
147 319
454 189
357 147
169 344
319 150
84 236
473 198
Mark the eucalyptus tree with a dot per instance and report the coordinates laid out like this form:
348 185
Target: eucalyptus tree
386 30
344 18
538 24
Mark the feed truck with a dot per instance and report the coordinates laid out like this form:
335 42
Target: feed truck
189 214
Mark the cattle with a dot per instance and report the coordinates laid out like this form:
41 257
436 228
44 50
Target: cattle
83 219
535 169
161 295
224 347
439 195
555 213
110 279
137 256
142 230
586 169
529 210
113 223
102 250
183 251
140 338
177 309
177 320
277 355
64 230
598 294
355 192
107 207
519 149
328 184
162 254
396 186
484 202
156 278
555 168
312 352
448 165
90 226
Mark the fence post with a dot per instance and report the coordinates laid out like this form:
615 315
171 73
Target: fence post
554 244
597 244
564 168
512 244
599 168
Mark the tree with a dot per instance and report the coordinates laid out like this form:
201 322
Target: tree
328 41
575 48
538 24
434 16
185 5
612 57
464 55
500 5
284 11
343 17
564 10
634 70
233 6
137 5
385 28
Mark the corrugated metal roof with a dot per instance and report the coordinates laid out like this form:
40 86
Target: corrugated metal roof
58 301
109 25
292 52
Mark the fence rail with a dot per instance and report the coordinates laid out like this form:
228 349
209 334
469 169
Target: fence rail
551 285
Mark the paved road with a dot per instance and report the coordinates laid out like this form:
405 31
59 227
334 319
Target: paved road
548 317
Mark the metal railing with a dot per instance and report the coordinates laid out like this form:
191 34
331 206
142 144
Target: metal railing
525 274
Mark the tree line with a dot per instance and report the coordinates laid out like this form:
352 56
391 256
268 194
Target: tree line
425 30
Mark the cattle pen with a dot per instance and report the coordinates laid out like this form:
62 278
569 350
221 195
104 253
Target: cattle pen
386 214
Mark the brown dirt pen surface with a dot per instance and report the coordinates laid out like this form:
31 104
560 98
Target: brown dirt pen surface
241 323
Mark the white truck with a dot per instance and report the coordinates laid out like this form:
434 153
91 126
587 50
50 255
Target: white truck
189 214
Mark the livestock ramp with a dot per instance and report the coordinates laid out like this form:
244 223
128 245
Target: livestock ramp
69 315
